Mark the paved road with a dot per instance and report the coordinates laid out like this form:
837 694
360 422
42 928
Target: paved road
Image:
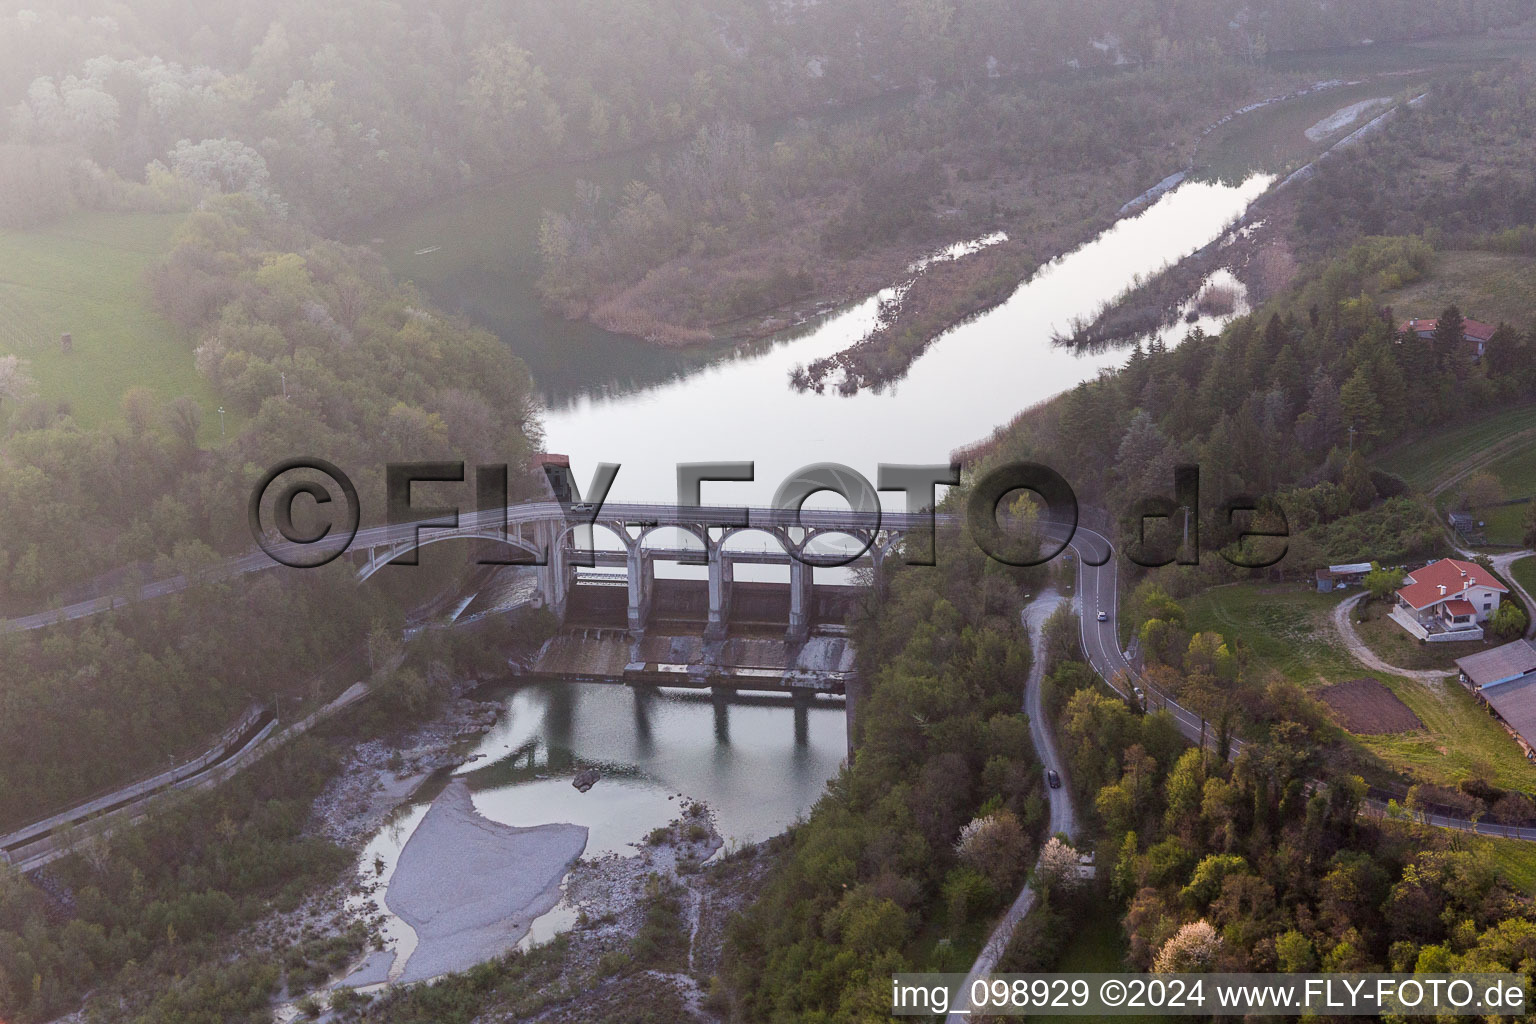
1063 816
1501 565
484 523
1098 590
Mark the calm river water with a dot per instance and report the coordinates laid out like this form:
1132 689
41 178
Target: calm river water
615 399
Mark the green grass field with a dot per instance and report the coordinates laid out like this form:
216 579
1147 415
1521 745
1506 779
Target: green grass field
86 275
1524 572
1514 858
1485 286
1287 634
1425 459
1516 471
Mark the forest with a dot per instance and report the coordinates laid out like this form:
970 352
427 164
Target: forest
347 109
277 125
1209 863
314 345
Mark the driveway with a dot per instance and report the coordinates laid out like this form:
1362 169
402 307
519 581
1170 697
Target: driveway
1366 656
1501 564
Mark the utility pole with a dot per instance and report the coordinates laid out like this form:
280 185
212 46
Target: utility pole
221 421
1351 438
285 383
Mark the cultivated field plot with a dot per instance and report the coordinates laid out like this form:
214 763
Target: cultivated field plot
1284 632
1365 707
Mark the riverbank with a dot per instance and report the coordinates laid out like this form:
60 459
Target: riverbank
647 931
877 197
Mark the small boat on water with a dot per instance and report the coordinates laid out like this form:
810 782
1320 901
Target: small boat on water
428 251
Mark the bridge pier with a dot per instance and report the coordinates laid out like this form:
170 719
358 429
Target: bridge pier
720 578
641 573
802 583
720 697
555 576
803 701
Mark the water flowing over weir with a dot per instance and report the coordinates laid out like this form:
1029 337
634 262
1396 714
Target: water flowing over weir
759 763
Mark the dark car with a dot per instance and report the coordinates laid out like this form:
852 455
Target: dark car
1053 778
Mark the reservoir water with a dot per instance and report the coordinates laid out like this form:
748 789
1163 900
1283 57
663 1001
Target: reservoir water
614 399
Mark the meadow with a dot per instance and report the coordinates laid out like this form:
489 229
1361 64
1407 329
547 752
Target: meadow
1285 633
1487 286
85 275
1423 460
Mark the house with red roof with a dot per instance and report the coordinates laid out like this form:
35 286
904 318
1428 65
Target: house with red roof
1448 600
1473 332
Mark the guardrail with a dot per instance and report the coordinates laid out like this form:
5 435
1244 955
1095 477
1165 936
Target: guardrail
110 799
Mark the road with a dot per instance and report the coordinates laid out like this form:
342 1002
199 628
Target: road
1098 590
1501 565
399 537
1063 816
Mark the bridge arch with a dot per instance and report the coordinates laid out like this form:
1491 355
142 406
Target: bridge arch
437 537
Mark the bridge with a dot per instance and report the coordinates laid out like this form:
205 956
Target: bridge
557 539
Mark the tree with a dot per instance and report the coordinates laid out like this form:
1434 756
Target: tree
1383 583
1509 621
225 165
1357 482
1480 490
1505 351
1449 340
15 383
1361 409
1192 948
997 847
1057 870
183 418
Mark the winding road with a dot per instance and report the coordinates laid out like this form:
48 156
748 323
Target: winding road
1063 818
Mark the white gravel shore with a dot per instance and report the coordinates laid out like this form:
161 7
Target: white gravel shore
470 887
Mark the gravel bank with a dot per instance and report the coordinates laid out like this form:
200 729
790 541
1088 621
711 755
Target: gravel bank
471 887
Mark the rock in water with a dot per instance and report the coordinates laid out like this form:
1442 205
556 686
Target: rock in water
586 779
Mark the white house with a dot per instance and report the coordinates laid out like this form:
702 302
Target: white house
1448 600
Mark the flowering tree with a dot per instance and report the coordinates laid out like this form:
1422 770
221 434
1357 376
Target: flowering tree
1192 948
1057 870
997 847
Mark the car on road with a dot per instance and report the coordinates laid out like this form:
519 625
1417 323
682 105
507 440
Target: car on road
1141 695
1103 616
1053 778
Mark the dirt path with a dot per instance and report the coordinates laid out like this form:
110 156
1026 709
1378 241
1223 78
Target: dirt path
1367 657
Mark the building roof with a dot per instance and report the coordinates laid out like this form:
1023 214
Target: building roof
1471 330
1460 607
1516 704
1501 664
1447 578
1351 569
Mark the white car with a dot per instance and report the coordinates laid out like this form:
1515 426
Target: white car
1103 616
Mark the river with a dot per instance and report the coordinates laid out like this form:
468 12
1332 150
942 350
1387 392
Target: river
615 399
